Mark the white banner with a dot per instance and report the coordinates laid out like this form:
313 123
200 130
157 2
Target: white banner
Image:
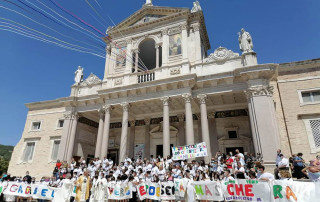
40 191
18 189
288 190
189 151
167 191
208 190
119 191
246 190
180 186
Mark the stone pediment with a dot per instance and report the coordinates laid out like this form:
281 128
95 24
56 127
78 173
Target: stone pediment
91 80
146 15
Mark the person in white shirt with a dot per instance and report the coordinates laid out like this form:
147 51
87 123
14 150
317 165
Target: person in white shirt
283 166
227 176
262 175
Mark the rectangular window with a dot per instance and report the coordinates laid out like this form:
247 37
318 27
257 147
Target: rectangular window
55 149
60 123
28 151
232 134
315 130
311 96
36 125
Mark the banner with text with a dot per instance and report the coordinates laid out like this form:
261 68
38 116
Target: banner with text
119 191
246 190
180 187
208 190
287 190
189 151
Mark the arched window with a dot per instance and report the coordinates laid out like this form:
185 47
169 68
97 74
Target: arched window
148 54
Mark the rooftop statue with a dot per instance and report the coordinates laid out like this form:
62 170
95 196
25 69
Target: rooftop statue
78 78
196 7
245 41
148 2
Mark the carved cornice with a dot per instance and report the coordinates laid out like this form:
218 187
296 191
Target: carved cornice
125 106
165 100
183 26
174 30
259 91
71 115
91 80
107 108
164 32
202 98
221 54
187 97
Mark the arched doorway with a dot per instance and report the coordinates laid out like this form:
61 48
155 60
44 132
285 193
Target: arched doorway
148 54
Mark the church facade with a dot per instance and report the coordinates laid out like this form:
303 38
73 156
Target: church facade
162 89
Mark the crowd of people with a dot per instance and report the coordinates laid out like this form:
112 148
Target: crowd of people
222 167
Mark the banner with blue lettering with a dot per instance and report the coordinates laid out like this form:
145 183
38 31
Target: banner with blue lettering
40 191
18 189
189 151
119 191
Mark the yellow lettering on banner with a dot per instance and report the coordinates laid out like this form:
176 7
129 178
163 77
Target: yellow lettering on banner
158 192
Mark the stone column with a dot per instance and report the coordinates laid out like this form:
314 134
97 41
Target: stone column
100 132
124 132
184 36
137 61
166 126
264 127
189 119
165 47
196 30
214 144
181 134
147 138
204 125
106 130
131 138
129 56
72 136
157 56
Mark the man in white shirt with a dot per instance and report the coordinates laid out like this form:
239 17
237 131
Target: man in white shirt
283 166
262 175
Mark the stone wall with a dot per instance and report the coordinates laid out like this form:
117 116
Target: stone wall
41 164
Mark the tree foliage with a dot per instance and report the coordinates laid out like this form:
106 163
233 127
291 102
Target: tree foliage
5 156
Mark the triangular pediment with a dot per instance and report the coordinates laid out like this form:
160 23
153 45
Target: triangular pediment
147 15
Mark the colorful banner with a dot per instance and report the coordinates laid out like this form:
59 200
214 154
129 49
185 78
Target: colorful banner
119 191
246 190
288 190
180 186
18 189
189 151
208 190
167 191
40 191
235 190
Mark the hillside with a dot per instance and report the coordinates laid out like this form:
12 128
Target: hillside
6 151
5 155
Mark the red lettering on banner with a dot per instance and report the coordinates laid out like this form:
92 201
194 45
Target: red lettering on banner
239 189
14 188
248 190
229 189
208 192
142 191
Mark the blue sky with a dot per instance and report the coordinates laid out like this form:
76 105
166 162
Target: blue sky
282 31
